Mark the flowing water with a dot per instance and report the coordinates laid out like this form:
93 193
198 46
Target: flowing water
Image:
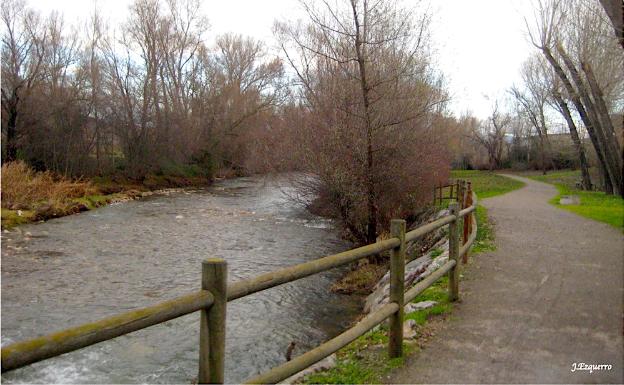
95 264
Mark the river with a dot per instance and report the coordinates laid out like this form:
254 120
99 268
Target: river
81 268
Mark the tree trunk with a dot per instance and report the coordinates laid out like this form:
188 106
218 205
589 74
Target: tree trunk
611 142
565 111
607 186
542 151
11 136
360 36
589 124
615 11
611 161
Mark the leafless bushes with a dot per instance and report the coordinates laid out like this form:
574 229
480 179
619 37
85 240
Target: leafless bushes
85 99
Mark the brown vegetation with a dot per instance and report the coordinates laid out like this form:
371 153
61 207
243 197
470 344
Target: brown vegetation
360 280
152 96
29 195
25 189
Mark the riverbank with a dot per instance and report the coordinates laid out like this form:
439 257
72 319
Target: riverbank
31 196
366 359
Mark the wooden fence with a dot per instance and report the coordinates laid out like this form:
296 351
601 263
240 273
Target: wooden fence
215 293
440 191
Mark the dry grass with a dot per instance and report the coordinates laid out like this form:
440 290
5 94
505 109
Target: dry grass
361 280
25 189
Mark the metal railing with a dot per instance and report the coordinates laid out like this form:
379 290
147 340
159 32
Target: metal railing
212 300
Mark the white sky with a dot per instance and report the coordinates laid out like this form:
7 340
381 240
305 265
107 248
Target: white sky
479 44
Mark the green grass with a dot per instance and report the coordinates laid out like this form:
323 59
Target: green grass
437 292
93 201
595 205
11 218
487 184
436 252
365 360
567 178
485 233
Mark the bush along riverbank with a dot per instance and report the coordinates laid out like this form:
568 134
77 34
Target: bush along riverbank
366 359
31 196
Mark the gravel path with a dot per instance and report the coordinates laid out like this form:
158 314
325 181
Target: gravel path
551 295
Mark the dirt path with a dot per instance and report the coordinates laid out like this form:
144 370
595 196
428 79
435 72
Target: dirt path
551 295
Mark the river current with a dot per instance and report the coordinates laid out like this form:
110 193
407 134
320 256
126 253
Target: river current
84 267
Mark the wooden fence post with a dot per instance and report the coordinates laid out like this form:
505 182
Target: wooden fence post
397 288
467 221
440 192
454 252
461 190
212 323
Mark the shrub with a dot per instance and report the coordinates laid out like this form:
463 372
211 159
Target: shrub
23 188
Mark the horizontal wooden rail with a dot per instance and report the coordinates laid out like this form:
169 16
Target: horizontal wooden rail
466 211
303 361
24 353
292 273
425 229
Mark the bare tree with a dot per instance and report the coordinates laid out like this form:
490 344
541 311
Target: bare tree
572 56
363 72
149 97
491 134
23 47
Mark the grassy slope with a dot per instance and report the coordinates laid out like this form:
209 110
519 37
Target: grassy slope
487 184
594 204
366 359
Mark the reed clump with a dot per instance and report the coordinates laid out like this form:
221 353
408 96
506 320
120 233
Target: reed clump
26 189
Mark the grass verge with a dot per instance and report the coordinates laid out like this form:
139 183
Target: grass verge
485 232
365 361
594 205
487 184
12 218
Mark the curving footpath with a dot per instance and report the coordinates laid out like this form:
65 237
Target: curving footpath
549 297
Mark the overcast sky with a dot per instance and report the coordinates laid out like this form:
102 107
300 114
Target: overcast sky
479 44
